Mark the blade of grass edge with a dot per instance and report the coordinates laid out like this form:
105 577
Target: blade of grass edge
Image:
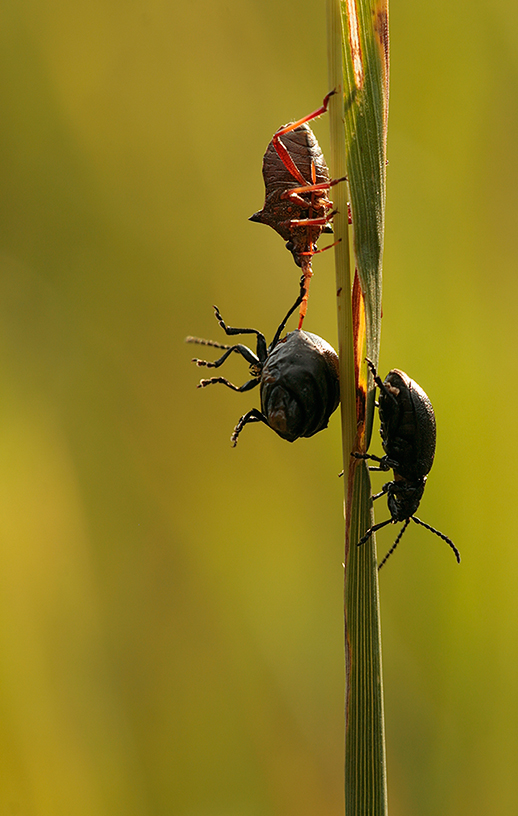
365 774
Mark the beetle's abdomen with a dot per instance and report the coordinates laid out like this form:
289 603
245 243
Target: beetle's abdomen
299 385
408 427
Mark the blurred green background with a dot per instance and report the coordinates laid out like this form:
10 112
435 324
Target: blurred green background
171 608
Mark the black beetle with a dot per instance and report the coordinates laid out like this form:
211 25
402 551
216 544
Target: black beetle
298 379
296 181
408 433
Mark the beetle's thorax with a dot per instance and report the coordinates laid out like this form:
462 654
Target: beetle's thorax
404 496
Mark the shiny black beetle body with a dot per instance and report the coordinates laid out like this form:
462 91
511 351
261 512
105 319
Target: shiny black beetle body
297 375
408 436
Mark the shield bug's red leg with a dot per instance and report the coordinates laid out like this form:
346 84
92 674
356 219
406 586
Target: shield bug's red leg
307 273
311 222
308 118
286 159
288 195
310 188
318 251
282 152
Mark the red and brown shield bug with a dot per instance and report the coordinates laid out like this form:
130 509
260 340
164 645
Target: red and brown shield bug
296 181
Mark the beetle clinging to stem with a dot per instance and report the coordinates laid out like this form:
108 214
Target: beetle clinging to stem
296 181
297 375
408 432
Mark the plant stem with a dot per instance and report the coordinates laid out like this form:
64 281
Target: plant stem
359 311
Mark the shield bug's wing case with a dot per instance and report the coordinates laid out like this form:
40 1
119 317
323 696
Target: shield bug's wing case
305 153
288 212
408 432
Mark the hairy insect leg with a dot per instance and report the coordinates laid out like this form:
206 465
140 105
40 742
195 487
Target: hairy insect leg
396 542
379 382
307 274
215 380
441 535
377 378
309 222
281 326
252 416
313 188
314 115
318 251
296 198
244 351
229 330
284 155
384 463
372 530
279 146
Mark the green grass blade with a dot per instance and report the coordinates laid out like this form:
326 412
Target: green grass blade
358 69
365 59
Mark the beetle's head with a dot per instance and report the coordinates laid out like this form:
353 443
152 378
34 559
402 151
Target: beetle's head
284 412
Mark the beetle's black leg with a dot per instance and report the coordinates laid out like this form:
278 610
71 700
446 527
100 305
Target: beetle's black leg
377 378
245 387
287 317
230 329
396 542
441 535
367 456
372 530
379 382
244 351
261 341
252 416
385 464
383 461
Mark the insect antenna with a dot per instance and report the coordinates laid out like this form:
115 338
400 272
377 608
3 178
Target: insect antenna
202 342
441 535
396 542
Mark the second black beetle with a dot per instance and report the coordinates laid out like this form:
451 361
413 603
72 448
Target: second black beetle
408 436
297 375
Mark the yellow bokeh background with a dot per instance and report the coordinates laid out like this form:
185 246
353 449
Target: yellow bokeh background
171 608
